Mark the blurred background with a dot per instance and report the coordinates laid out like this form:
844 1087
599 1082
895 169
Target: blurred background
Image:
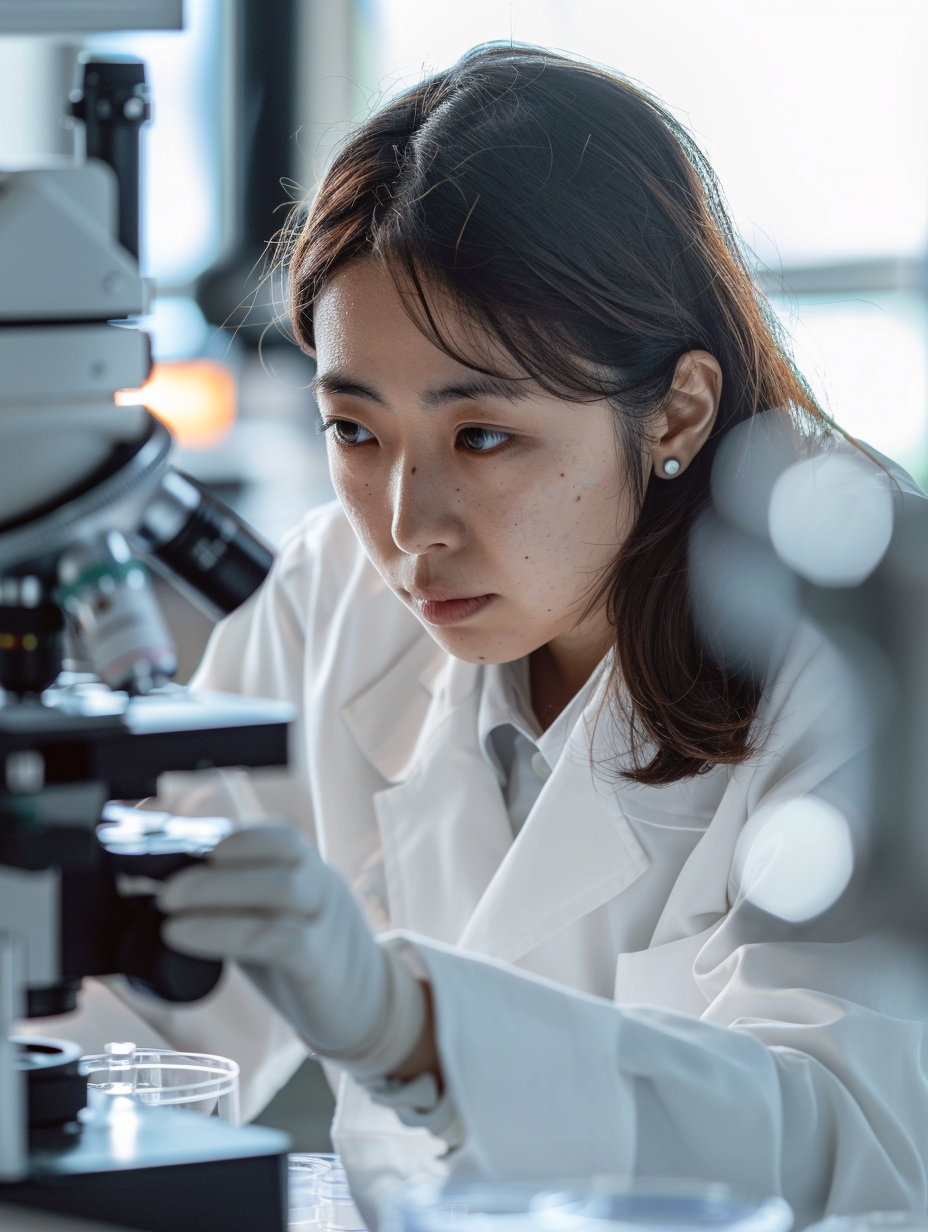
813 112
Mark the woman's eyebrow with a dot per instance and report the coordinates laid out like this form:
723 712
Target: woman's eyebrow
481 385
342 383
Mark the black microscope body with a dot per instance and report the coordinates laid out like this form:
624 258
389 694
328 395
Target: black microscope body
77 883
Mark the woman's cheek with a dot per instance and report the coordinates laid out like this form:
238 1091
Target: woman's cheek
349 479
360 497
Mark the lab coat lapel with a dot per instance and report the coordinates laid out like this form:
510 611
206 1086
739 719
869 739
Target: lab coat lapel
452 870
575 852
443 824
392 718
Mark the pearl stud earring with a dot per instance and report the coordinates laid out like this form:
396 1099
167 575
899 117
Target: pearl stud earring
671 466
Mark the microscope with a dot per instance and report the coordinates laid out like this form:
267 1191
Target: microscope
87 494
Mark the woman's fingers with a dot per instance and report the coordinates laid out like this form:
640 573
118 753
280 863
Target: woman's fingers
261 868
275 843
274 943
271 891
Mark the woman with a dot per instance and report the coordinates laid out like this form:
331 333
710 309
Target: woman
533 329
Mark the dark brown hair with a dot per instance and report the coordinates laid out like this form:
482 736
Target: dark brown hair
568 213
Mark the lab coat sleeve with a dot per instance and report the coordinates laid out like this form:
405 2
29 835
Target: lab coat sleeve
258 651
532 1068
807 1074
827 1110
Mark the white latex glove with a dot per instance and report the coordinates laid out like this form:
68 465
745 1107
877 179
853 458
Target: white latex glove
266 899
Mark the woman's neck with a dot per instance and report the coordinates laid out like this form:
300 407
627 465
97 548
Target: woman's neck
558 671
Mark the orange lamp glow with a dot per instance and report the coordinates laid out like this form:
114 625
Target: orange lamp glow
195 398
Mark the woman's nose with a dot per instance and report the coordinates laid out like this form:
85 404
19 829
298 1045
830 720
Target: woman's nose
424 515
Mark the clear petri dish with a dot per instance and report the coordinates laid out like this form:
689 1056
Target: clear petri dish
592 1205
319 1197
161 1078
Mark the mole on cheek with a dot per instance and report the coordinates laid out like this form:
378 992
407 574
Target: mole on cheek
413 471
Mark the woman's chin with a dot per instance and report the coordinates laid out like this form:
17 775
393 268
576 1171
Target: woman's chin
473 646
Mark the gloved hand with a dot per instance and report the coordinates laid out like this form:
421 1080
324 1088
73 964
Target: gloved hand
266 899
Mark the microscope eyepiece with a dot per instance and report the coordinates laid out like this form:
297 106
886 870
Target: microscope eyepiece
112 101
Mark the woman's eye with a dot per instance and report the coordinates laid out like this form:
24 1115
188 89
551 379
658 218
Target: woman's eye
347 433
482 440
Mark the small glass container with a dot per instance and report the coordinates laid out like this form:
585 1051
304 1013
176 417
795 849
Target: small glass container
160 1078
320 1200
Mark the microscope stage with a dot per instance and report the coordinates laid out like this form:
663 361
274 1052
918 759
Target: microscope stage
161 1170
127 750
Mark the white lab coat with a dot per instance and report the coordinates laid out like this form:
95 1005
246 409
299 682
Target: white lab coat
594 1015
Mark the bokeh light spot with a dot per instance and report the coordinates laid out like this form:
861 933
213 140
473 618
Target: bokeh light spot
195 398
831 518
799 858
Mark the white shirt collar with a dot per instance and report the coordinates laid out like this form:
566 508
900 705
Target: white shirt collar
505 697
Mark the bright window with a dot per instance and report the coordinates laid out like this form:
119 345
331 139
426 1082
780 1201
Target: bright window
866 357
815 116
814 113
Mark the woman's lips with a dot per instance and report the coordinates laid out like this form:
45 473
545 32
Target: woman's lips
449 611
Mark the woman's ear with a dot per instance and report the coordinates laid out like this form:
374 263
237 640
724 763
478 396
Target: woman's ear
689 413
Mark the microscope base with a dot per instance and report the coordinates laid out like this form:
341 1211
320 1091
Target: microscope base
160 1170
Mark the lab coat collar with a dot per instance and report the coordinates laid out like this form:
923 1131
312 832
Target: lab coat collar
452 869
393 719
575 853
443 824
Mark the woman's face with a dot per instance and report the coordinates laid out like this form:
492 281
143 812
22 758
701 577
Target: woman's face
490 507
